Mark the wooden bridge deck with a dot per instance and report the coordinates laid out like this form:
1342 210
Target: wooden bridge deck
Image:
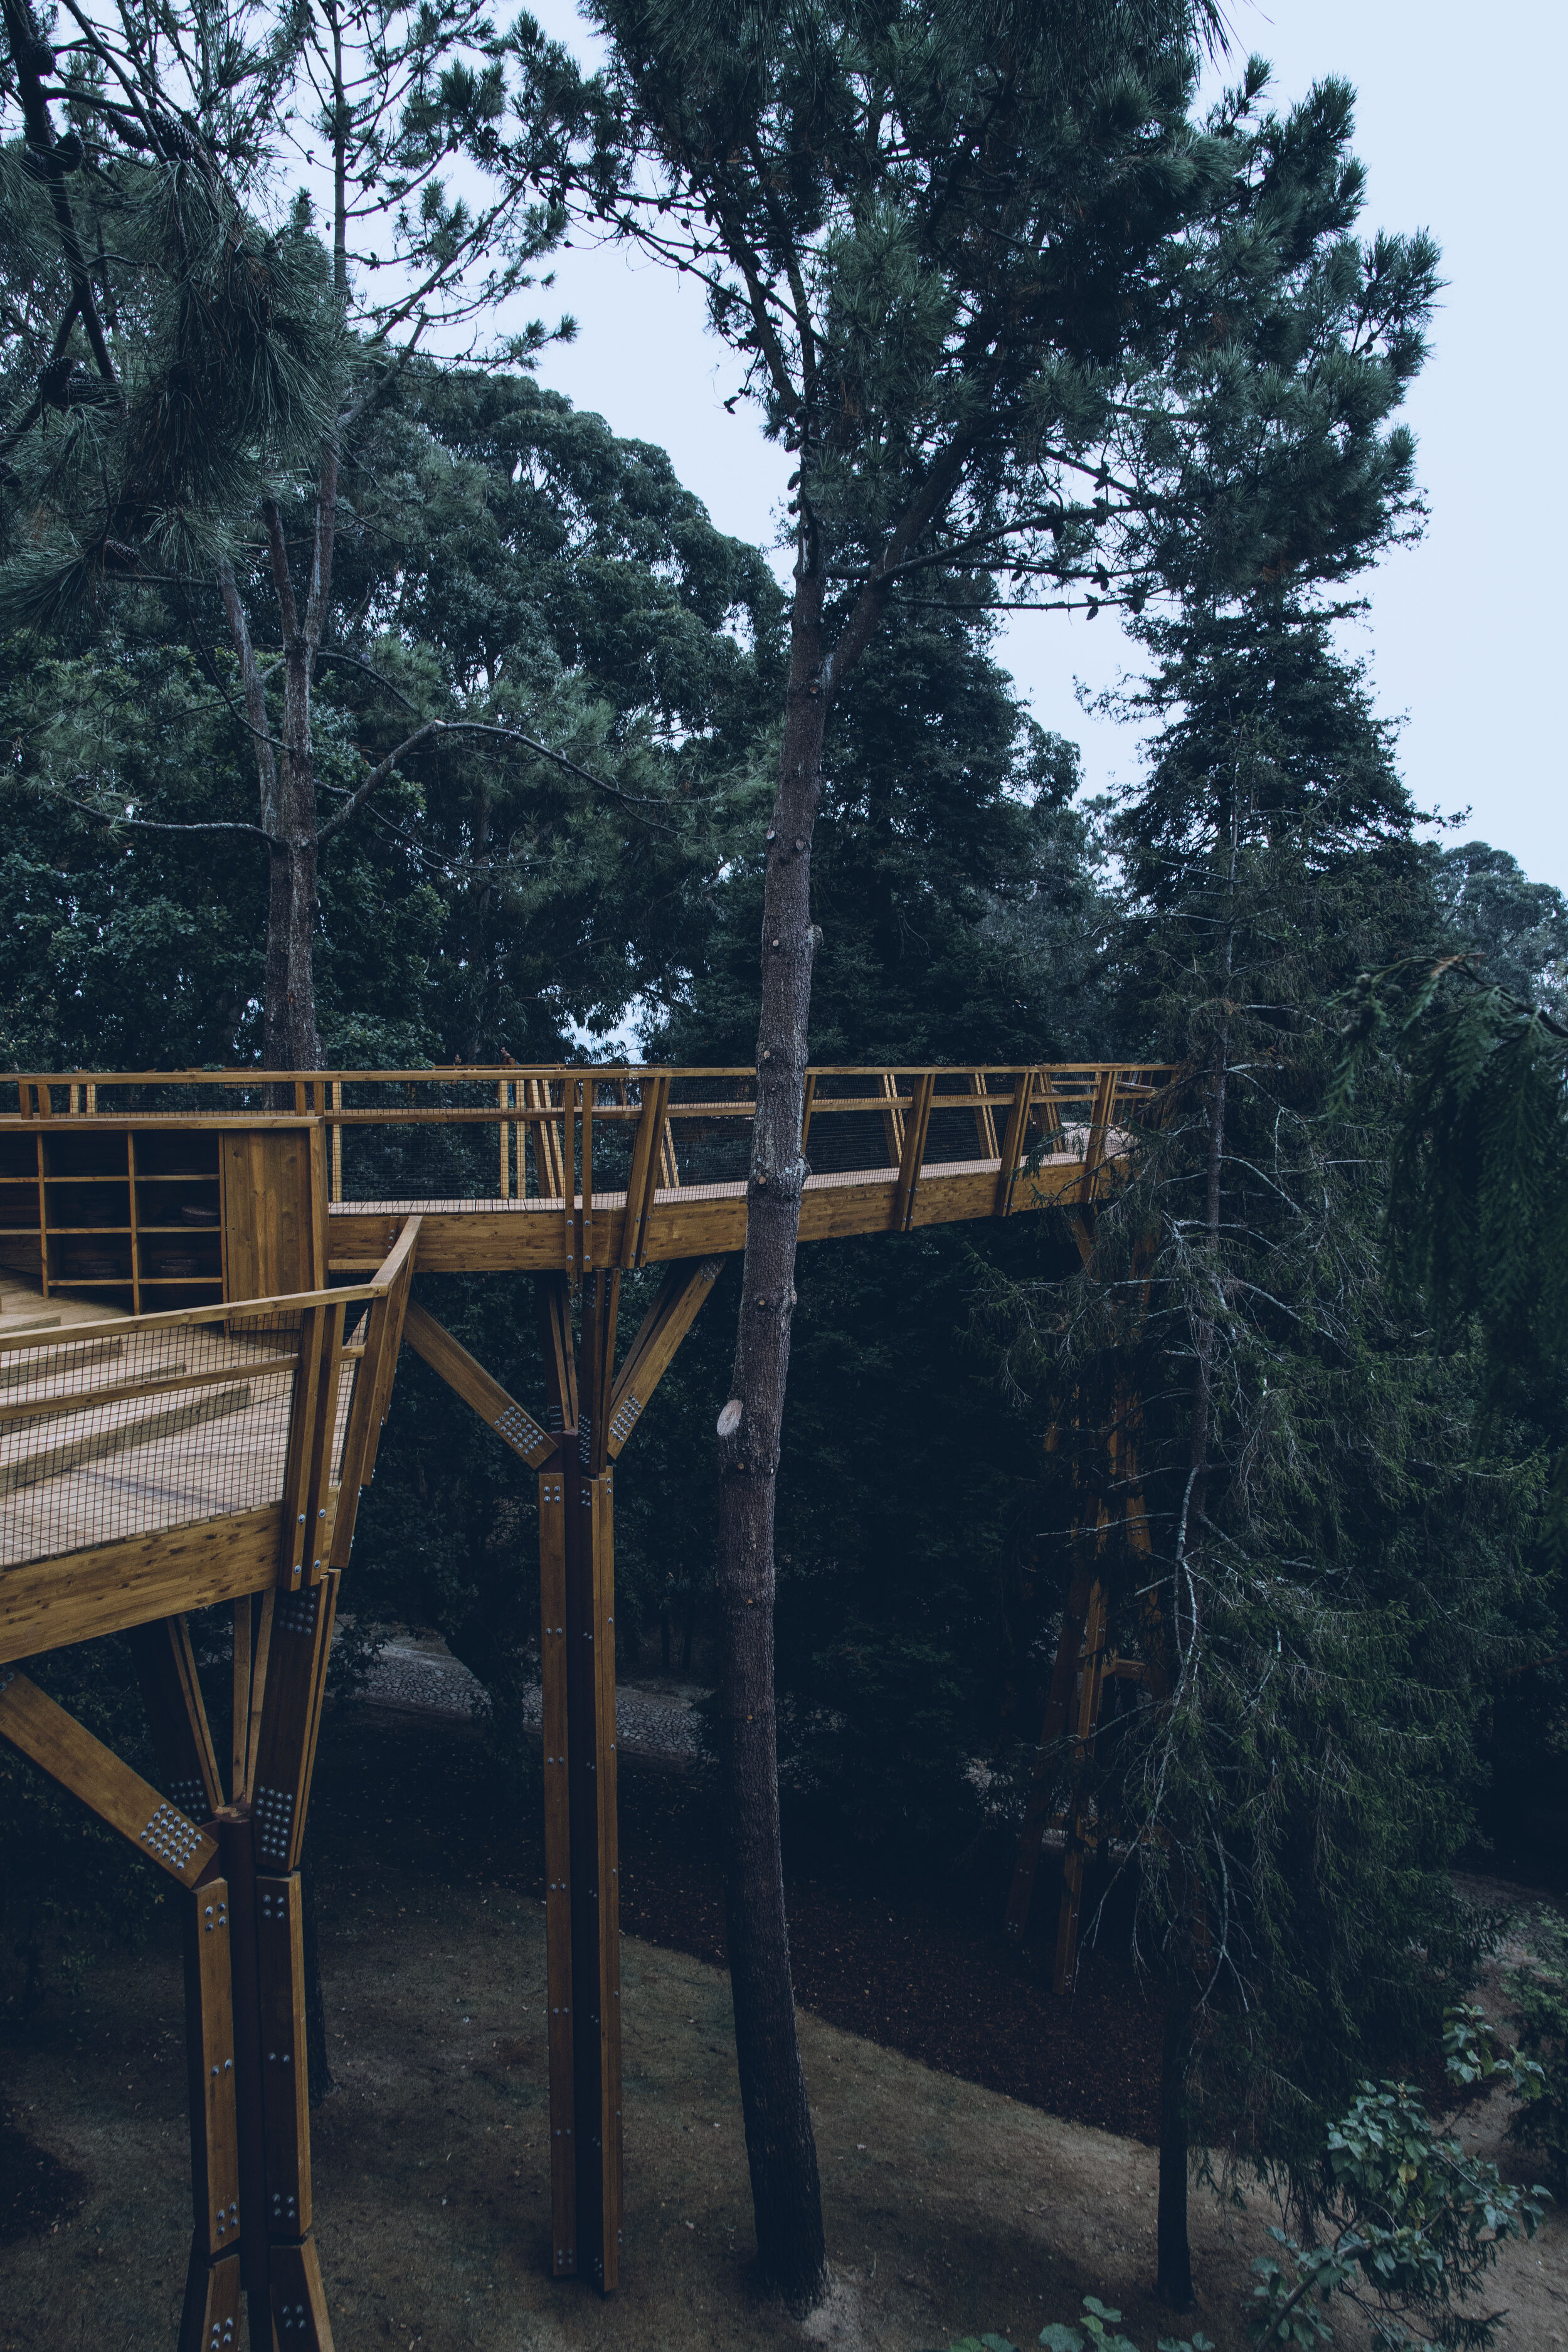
214 1449
689 1221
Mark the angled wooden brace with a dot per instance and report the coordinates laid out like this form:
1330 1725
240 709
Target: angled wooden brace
893 1116
915 1123
373 1386
310 1427
461 1371
662 1329
68 1753
1012 1142
643 1177
177 1715
1099 1121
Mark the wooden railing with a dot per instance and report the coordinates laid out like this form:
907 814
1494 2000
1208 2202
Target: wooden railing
238 1439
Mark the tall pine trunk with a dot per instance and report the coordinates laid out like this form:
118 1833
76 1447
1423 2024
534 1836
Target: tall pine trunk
1173 2260
780 2147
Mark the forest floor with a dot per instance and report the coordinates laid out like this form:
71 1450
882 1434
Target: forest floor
952 2207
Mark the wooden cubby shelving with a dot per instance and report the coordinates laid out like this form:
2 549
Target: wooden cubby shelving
103 1214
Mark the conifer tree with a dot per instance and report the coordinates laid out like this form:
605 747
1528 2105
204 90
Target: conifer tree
1333 1545
971 261
180 374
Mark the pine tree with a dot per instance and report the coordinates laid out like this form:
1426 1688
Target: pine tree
971 262
1333 1541
202 371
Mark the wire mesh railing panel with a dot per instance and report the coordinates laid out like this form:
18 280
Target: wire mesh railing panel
127 1433
712 1117
483 1138
848 1142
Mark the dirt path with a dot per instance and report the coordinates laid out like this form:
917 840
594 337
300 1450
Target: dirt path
948 2207
951 2207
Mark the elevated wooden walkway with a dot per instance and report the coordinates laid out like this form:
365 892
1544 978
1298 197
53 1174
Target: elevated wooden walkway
194 1373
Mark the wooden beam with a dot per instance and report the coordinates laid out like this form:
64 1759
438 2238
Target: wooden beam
304 1430
496 1409
301 1635
299 2299
68 1753
238 1311
691 1222
552 1653
373 1383
663 1327
47 1604
209 2057
643 1177
258 1691
285 2079
607 1904
324 1438
554 1303
177 1715
1099 1121
240 1741
916 1123
210 2319
594 1873
1012 1142
984 1121
596 1368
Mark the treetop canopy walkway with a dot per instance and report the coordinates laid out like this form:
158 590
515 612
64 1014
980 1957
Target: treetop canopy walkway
204 1435
567 1169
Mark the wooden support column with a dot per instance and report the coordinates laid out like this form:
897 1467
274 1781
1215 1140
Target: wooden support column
582 1903
214 2157
261 1853
591 1781
558 1870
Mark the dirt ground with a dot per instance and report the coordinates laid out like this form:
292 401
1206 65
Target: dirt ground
950 2208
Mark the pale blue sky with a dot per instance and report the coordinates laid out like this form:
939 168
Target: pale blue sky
1459 123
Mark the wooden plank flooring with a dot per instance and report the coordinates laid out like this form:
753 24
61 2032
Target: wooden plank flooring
683 1220
80 1475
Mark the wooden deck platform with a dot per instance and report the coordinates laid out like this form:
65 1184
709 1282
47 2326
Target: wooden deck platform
687 1221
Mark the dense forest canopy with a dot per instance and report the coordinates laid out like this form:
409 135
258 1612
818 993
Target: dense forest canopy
371 707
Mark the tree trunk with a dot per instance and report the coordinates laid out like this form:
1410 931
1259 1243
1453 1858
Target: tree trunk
294 1020
1173 2261
787 2196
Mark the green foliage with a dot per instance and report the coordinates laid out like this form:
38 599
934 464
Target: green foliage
1539 1991
1417 2224
1514 931
1140 350
1320 1493
506 558
1100 2330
